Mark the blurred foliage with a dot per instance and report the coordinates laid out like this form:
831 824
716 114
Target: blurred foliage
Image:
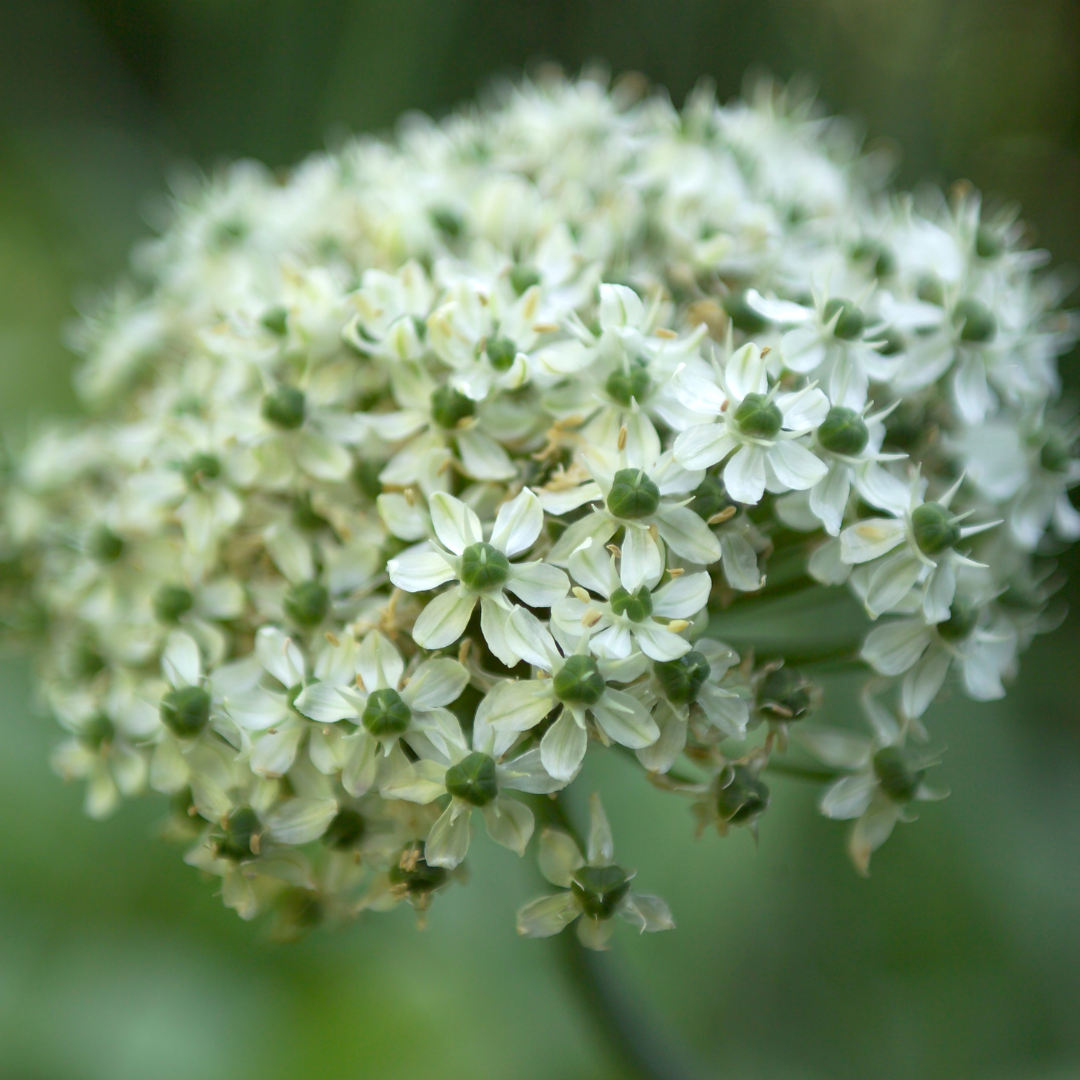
957 959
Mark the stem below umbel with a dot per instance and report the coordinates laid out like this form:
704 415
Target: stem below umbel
642 1047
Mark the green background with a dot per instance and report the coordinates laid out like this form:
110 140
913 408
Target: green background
958 958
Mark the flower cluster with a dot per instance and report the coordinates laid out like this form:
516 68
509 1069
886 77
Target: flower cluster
421 475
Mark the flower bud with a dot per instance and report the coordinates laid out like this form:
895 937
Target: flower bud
710 497
743 797
851 322
625 386
239 837
874 251
898 779
171 602
306 604
185 711
346 830
285 407
104 545
473 779
599 889
787 692
930 290
976 321
935 531
579 681
484 566
759 417
743 316
501 353
633 495
682 679
449 407
843 431
385 714
636 606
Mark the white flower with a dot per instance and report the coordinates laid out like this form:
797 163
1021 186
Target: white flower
483 570
758 427
596 889
577 687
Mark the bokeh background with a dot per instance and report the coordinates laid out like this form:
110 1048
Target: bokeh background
958 958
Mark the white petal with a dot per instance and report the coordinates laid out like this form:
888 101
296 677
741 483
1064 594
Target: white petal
891 581
625 720
745 371
482 457
687 535
870 539
894 647
531 640
641 558
509 823
558 857
322 702
448 841
455 524
180 661
744 475
378 663
518 524
279 654
703 445
871 831
516 705
739 561
647 913
803 409
849 796
795 466
537 583
836 747
299 821
778 311
494 621
435 682
562 749
405 520
290 551
275 751
829 499
940 590
923 682
321 457
663 753
359 772
599 846
444 620
548 915
526 772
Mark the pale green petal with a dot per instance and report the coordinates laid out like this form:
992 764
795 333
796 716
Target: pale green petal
509 823
548 915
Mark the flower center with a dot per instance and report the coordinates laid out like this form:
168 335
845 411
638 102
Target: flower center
171 602
636 606
959 624
851 322
843 431
473 779
105 545
976 321
241 827
501 353
895 774
484 567
185 711
934 529
759 417
600 888
626 385
682 679
307 603
345 830
385 713
579 681
449 407
633 495
285 407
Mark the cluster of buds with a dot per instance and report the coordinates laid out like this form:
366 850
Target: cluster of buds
417 477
